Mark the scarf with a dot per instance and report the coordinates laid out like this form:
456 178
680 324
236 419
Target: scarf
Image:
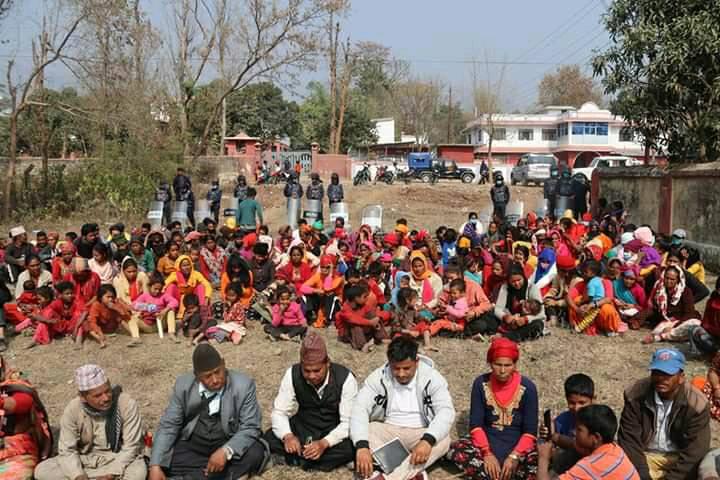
665 297
214 260
650 257
623 293
113 420
547 255
426 293
396 286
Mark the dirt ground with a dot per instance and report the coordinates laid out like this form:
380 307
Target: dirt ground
147 373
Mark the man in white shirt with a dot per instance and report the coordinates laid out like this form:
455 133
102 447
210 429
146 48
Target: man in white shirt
311 413
405 399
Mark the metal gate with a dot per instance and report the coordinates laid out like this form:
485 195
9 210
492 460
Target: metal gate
303 156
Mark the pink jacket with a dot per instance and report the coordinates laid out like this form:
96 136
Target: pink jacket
292 317
459 310
162 302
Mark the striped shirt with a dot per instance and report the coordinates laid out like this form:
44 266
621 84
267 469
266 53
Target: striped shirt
606 462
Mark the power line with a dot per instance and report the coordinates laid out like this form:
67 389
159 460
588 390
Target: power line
560 28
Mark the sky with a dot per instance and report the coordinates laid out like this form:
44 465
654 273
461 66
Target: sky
439 38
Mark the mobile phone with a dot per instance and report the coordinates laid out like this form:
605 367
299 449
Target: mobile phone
547 420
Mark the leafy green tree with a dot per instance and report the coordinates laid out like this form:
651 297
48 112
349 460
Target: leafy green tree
314 127
663 70
261 111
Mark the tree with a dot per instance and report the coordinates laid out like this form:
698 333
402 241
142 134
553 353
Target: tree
417 102
663 71
314 127
568 86
487 100
377 74
20 92
261 111
271 41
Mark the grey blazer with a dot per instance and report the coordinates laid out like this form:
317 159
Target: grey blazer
239 414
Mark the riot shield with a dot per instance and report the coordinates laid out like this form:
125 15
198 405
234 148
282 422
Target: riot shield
230 212
372 215
514 212
313 211
155 214
338 210
293 211
563 203
202 210
180 213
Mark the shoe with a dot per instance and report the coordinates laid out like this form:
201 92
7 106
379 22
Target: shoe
3 344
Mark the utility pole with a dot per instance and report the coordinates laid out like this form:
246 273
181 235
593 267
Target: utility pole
449 120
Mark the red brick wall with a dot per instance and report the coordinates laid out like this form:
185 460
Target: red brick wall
326 164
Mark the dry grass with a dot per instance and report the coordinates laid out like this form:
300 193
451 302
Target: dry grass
147 373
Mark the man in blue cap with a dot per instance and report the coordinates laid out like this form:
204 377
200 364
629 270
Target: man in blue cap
665 423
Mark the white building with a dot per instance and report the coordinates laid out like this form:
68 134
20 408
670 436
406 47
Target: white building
574 136
384 129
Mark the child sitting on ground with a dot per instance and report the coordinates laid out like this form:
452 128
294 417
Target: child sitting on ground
194 322
288 321
107 315
63 316
26 305
44 296
454 309
579 393
358 323
157 310
405 317
232 325
600 456
594 292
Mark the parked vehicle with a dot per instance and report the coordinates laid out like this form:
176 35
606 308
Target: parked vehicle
606 161
533 167
385 174
363 176
426 168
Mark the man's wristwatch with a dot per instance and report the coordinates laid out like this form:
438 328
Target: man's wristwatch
228 453
514 456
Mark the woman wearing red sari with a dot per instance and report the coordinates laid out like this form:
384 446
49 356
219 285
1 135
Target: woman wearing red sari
62 265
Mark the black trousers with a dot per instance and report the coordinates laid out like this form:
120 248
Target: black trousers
290 331
314 302
485 324
334 457
189 463
499 210
530 331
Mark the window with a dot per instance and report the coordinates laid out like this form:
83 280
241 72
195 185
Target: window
627 134
549 134
525 134
590 128
499 134
562 130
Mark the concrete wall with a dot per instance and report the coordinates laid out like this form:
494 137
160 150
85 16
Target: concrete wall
696 201
325 164
637 188
669 198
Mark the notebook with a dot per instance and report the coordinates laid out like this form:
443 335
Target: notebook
391 455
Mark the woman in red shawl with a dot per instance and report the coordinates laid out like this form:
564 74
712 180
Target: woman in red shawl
498 276
297 271
503 421
62 265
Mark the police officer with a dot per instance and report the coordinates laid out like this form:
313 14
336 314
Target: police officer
241 188
335 190
565 193
163 194
500 195
580 190
214 197
315 191
550 191
182 186
293 189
